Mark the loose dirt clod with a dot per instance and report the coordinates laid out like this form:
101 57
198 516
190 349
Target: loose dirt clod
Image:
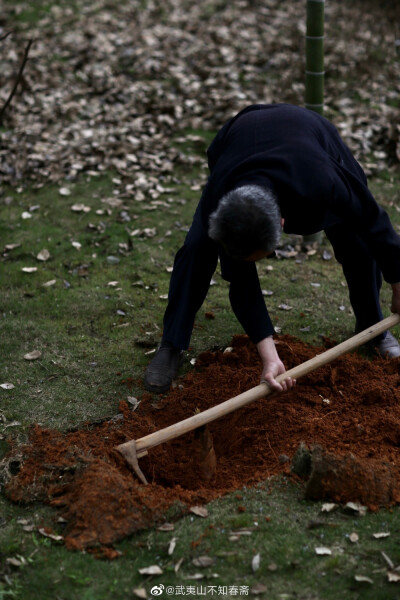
348 478
358 432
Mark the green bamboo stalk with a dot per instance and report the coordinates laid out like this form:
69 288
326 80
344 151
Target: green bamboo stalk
314 97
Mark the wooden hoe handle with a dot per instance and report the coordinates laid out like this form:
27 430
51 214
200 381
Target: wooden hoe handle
255 393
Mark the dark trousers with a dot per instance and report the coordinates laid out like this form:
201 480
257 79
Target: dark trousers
362 274
197 260
194 266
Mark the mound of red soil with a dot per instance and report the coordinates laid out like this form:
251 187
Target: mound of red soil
350 409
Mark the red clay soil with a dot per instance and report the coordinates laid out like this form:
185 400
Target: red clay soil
349 411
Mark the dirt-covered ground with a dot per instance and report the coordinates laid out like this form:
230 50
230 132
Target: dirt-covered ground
346 413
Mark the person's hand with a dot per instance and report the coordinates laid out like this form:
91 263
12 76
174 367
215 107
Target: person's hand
395 308
273 366
271 371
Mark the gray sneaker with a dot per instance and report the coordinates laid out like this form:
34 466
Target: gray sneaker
163 369
388 347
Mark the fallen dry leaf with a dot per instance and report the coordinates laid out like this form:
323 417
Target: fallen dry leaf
354 507
323 551
199 511
34 355
149 232
255 563
258 588
203 561
152 570
244 531
285 307
43 255
80 208
363 579
178 565
113 260
12 424
172 546
16 561
48 534
166 527
393 576
387 559
134 402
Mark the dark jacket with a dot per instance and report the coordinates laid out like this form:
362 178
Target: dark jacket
317 181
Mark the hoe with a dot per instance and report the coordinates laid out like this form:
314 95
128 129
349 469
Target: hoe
133 450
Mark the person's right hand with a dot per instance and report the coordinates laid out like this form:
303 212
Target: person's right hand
273 366
269 373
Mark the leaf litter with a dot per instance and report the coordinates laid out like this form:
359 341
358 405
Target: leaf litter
106 89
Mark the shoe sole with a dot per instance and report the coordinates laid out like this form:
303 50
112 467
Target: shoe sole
158 389
161 389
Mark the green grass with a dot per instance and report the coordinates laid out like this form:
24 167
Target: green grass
276 523
92 336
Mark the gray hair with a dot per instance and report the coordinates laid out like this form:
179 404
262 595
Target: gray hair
247 219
